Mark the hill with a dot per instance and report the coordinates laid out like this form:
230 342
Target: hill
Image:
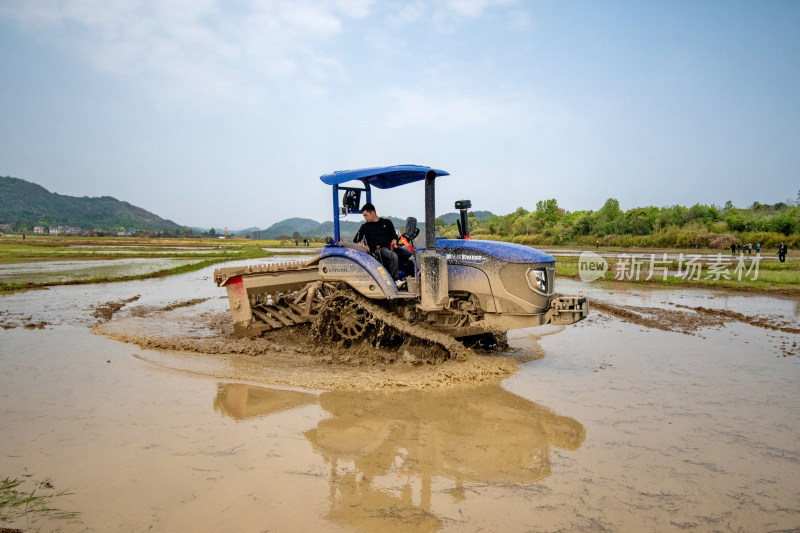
24 205
307 228
450 218
312 229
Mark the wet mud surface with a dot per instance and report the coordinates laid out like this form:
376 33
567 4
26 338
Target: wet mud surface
294 356
666 410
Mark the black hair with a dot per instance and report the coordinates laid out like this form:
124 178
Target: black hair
368 207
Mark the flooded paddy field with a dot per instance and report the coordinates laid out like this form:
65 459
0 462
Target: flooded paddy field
45 262
61 271
666 410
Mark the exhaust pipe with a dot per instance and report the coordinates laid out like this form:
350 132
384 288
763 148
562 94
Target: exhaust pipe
430 210
432 265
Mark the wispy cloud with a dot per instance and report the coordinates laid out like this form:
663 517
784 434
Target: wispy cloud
252 51
193 48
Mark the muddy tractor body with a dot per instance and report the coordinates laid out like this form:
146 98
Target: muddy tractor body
449 288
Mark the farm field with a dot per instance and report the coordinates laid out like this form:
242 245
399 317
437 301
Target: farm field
670 408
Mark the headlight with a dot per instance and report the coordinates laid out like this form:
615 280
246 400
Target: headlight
537 279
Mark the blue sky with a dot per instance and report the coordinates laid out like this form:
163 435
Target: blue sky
225 113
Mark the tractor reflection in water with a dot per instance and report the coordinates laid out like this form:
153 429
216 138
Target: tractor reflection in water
400 458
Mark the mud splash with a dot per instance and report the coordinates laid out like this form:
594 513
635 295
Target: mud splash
294 356
348 318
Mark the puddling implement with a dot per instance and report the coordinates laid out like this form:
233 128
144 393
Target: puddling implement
452 289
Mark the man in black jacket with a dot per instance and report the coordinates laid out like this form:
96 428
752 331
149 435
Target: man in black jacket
380 236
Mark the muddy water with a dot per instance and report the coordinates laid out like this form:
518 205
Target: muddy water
650 415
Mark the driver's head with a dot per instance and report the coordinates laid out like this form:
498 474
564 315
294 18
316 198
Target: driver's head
368 210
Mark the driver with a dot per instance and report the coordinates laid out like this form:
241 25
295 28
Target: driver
380 236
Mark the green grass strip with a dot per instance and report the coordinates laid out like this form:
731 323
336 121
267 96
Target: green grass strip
16 504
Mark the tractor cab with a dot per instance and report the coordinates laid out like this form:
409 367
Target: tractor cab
380 178
353 185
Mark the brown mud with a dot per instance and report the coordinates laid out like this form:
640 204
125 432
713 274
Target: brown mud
7 322
203 343
658 318
766 323
689 319
694 318
375 325
106 310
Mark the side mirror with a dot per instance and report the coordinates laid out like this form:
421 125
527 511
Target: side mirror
411 230
463 222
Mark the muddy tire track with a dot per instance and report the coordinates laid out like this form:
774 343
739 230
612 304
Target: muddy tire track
689 319
658 318
104 312
740 317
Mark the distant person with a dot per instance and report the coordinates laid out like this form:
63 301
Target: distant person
596 245
758 249
381 237
749 248
295 242
782 249
733 248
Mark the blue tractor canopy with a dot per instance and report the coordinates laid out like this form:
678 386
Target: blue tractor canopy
381 178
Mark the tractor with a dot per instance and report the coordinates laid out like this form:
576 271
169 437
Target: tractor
449 290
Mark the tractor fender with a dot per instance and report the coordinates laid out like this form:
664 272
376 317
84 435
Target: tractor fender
357 269
474 281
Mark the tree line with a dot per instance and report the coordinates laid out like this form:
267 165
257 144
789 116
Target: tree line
698 226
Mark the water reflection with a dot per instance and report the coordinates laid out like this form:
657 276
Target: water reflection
404 460
241 401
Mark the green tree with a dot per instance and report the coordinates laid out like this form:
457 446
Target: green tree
784 223
584 223
606 221
610 209
705 214
640 220
547 211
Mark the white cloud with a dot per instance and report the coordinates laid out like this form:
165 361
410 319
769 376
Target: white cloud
194 48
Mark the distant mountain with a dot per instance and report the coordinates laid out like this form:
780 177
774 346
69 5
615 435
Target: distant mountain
307 228
25 205
243 232
450 218
312 229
